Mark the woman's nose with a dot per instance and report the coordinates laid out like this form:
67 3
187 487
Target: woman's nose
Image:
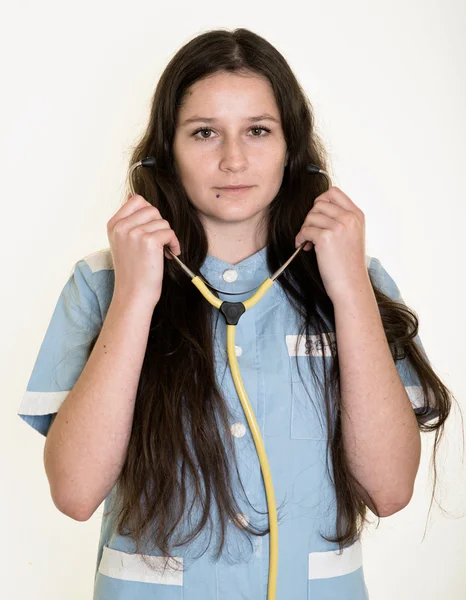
233 153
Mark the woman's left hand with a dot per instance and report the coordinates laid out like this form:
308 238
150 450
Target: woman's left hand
336 228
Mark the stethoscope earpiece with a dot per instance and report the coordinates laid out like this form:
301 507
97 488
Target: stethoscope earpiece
149 161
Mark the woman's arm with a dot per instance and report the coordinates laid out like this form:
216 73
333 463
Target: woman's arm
86 444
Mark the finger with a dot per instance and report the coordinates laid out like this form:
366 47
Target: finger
169 240
306 245
320 220
133 204
336 211
311 235
146 214
319 223
335 195
327 208
173 243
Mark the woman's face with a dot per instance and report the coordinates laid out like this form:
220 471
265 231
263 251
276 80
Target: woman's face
224 144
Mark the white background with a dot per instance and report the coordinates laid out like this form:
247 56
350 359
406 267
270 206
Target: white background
387 82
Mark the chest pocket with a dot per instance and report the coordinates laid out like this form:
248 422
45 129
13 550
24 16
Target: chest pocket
308 411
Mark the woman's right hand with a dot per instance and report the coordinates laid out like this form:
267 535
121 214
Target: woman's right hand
137 235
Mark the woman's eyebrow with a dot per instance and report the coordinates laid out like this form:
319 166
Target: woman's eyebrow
264 117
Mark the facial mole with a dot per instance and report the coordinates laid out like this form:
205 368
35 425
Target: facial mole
218 196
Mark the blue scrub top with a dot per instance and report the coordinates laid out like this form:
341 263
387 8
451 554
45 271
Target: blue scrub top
291 425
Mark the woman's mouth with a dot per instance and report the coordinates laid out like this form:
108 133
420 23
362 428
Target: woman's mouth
235 190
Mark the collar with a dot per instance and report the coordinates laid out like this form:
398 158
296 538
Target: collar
240 277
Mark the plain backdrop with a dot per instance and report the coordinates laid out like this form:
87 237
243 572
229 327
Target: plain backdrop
387 82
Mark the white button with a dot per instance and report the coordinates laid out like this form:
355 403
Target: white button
242 519
238 429
238 351
230 275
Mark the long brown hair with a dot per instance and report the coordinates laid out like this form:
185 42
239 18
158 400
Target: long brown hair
180 416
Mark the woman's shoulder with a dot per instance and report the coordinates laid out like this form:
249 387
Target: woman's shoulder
98 270
100 260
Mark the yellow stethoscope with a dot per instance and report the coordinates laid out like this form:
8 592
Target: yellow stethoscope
232 311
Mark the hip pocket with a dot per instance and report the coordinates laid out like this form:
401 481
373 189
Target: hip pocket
124 575
333 575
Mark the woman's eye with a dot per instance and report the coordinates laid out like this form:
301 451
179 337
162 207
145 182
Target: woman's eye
260 129
202 131
207 129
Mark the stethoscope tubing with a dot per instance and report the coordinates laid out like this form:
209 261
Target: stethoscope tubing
232 313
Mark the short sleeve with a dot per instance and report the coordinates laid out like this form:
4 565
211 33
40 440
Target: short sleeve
66 346
407 374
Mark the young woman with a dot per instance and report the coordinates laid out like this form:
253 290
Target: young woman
133 370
